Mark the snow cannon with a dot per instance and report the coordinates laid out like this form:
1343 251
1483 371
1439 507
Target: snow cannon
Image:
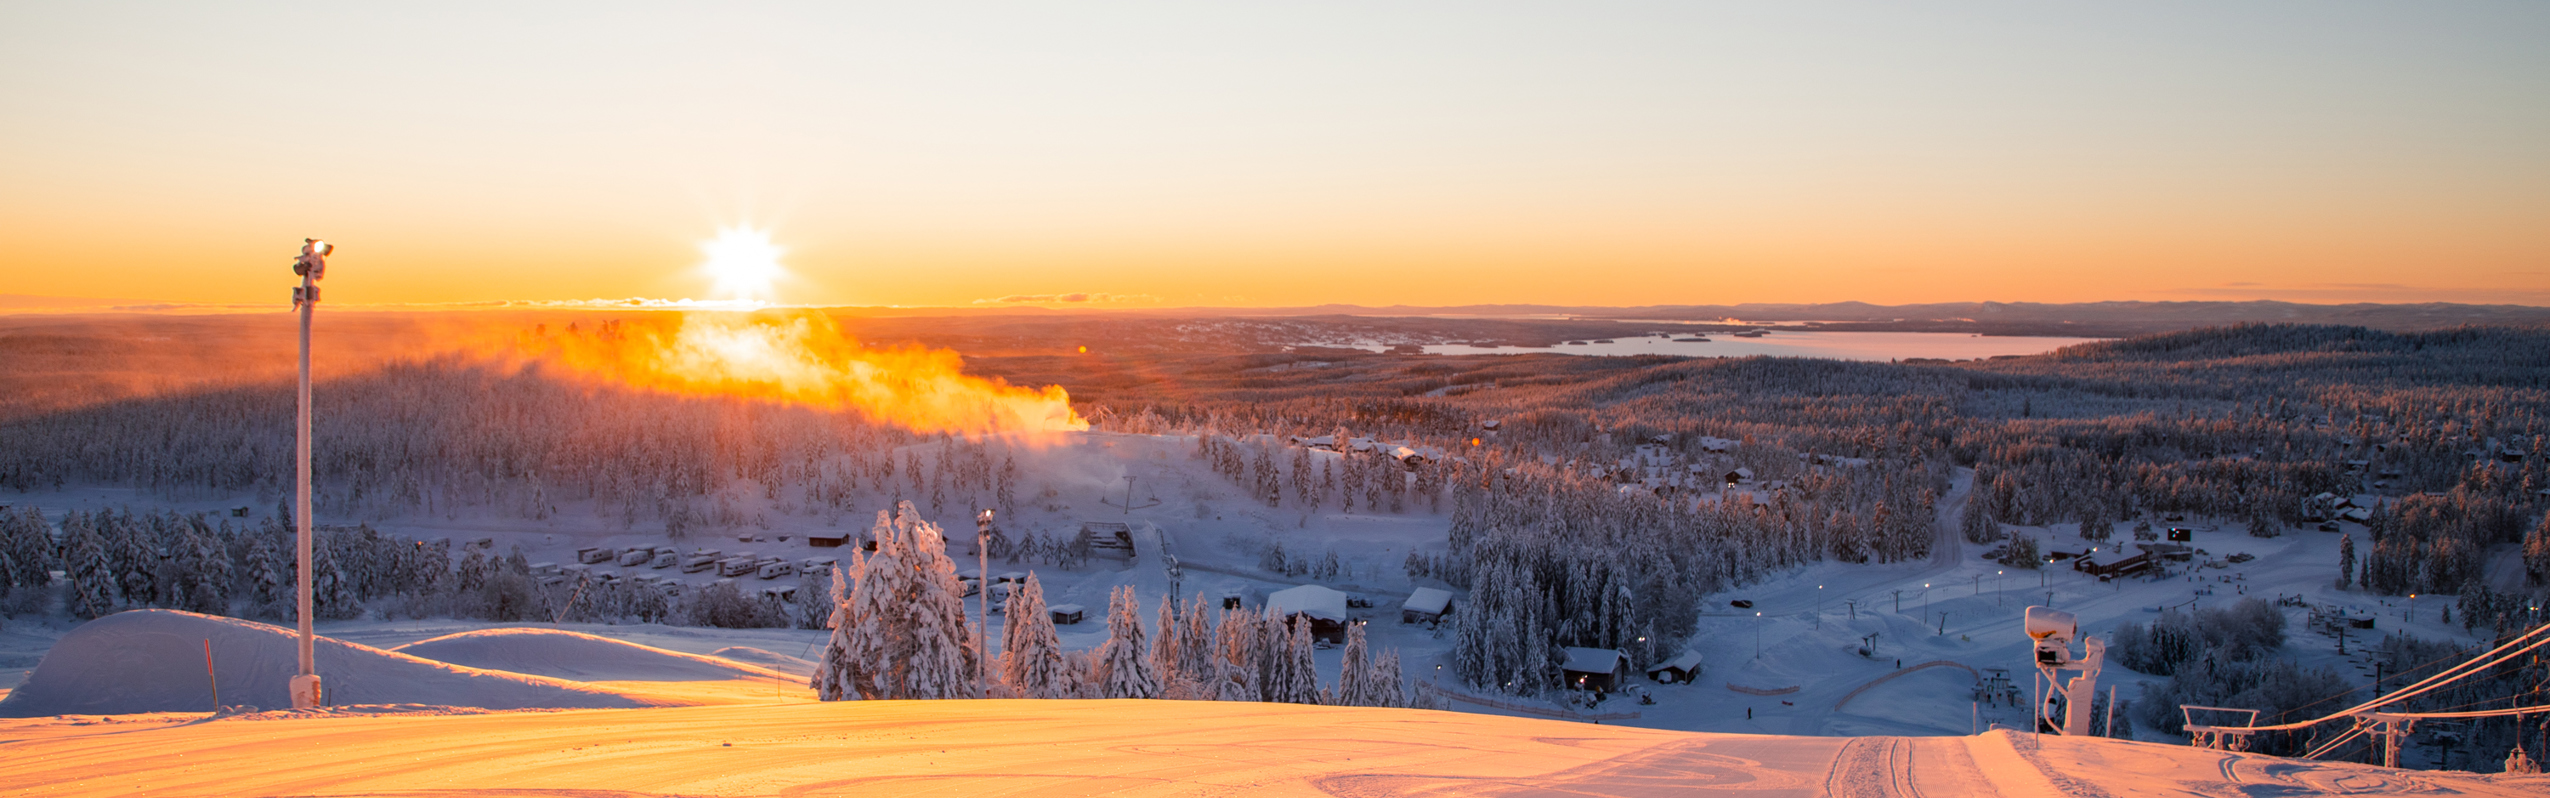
2053 631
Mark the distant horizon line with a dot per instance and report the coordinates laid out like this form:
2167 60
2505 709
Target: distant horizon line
15 304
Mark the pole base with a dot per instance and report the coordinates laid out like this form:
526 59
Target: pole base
305 691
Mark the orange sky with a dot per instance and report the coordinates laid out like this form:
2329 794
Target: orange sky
1170 154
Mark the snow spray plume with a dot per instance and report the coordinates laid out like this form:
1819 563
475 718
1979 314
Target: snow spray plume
802 357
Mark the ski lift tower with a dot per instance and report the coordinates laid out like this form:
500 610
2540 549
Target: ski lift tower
312 265
2054 631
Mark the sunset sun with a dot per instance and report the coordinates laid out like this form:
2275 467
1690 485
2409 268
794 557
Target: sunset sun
742 263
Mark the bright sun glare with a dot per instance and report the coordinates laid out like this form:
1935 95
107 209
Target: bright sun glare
743 263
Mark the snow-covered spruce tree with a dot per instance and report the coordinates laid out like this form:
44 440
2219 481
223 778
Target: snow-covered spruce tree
1353 674
1301 675
85 562
835 670
1384 684
1167 657
28 542
906 635
1122 665
2346 561
1195 648
204 574
1032 663
1237 637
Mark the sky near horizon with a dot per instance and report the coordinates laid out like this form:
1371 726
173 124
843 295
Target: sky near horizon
1424 153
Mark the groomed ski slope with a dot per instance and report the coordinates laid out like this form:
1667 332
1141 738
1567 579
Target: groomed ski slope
1117 747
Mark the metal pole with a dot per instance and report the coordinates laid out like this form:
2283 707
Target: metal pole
983 598
309 698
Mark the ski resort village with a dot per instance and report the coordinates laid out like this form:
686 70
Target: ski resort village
1580 574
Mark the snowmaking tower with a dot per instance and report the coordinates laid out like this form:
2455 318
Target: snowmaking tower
2054 630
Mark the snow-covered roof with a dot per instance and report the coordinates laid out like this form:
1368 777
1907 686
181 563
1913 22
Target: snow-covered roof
1690 660
1313 600
1431 600
1592 660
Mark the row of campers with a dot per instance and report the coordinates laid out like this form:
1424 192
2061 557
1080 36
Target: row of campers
742 563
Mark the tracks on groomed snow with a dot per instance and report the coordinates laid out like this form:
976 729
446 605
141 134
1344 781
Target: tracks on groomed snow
1872 767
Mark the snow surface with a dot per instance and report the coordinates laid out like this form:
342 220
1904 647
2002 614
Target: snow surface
1137 747
579 656
153 661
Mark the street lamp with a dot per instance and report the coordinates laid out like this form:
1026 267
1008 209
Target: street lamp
312 266
1757 635
1996 587
1925 601
1819 606
983 599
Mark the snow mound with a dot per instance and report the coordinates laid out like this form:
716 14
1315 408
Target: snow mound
773 660
153 661
579 656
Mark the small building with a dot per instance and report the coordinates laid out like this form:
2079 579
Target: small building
1112 538
1426 605
827 540
1679 670
1739 476
1594 668
1066 614
2128 566
1323 607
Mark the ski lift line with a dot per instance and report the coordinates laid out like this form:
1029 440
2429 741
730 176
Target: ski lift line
2468 668
2401 672
2448 676
2476 713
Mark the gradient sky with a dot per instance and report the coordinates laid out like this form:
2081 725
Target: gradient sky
1207 153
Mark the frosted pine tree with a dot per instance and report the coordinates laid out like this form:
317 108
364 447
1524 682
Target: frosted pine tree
1352 675
1235 657
1195 647
204 583
85 560
28 541
836 672
1301 676
1384 686
1031 653
1122 668
1167 654
902 633
941 659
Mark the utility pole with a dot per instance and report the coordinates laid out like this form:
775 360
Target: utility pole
983 599
1899 602
312 265
1128 495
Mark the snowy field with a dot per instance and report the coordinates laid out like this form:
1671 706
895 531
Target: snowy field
1953 607
1788 665
1120 747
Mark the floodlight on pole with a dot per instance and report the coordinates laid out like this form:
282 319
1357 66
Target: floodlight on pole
312 265
983 599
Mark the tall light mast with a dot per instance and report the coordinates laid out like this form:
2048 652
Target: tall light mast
311 266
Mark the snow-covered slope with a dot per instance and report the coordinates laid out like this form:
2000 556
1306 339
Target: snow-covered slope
154 661
579 656
1131 747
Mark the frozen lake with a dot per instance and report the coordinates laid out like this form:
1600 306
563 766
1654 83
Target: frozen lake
1797 343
